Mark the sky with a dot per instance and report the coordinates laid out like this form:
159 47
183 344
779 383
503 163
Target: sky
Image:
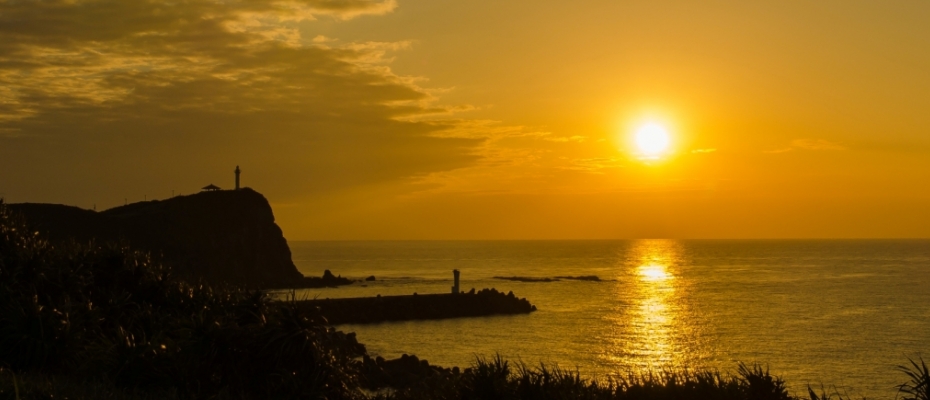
448 119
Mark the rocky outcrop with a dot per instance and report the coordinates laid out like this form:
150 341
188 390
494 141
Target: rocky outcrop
222 236
402 372
328 280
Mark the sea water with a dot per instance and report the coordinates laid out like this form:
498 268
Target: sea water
841 314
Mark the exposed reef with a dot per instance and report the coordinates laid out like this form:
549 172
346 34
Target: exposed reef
592 278
328 280
220 236
362 310
525 279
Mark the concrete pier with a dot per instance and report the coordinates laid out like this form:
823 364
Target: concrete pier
361 310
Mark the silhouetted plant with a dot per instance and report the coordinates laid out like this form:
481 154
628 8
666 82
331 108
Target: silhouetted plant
918 388
495 379
488 379
824 396
760 385
554 383
678 384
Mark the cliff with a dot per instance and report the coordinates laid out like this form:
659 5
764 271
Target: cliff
223 236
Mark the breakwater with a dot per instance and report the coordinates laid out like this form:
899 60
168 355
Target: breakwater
362 310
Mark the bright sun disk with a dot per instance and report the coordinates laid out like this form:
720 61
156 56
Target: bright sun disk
652 139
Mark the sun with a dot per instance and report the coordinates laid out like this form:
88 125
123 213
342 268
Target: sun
652 139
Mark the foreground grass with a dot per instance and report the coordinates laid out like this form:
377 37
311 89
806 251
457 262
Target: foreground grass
100 321
497 379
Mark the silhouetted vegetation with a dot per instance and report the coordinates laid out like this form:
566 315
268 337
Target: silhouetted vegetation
108 316
498 379
918 387
101 321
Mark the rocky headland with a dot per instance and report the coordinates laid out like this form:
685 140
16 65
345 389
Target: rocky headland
227 236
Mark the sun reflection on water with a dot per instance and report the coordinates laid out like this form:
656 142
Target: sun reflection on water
649 327
653 273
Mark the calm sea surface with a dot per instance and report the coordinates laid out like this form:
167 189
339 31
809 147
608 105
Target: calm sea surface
837 313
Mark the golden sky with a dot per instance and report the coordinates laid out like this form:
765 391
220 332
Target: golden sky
453 119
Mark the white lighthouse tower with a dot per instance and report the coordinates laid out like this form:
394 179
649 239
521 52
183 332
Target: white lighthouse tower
455 286
237 177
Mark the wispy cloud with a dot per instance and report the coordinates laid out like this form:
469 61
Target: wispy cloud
563 139
342 9
594 164
816 144
808 144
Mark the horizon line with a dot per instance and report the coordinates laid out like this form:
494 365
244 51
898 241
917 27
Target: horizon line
620 239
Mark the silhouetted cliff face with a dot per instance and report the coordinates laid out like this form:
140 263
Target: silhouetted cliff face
220 236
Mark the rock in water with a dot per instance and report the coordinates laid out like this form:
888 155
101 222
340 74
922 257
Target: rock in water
222 236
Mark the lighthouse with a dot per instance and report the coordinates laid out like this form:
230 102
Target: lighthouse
237 177
455 286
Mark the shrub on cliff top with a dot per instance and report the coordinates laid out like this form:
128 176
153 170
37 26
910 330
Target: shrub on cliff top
106 313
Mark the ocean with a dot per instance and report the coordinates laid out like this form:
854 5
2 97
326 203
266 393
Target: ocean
840 314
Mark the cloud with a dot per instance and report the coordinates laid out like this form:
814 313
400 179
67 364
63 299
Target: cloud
779 151
808 144
701 151
114 96
816 144
342 9
562 139
595 164
126 89
486 129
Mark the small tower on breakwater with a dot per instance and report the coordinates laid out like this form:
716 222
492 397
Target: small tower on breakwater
237 177
455 286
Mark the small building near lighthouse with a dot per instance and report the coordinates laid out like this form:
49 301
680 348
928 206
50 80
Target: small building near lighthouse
211 188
